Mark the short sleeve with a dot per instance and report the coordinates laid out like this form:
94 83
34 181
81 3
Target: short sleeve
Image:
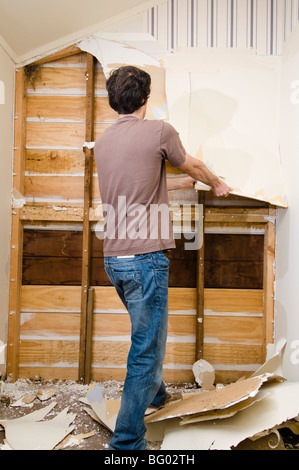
171 146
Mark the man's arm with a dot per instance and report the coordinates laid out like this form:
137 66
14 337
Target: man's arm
197 170
180 182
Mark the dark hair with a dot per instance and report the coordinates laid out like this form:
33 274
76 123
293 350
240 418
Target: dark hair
128 89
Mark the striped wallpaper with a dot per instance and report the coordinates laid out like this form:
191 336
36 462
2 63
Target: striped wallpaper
261 24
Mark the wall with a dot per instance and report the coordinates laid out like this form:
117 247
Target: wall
6 139
287 267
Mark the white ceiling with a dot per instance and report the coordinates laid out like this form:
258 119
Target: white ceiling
32 27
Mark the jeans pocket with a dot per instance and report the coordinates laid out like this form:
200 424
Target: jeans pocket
130 282
162 261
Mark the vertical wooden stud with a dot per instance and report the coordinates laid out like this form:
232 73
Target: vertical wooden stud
89 136
13 338
269 277
200 284
89 329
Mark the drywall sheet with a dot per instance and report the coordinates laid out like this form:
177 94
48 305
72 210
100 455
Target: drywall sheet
104 411
30 433
112 54
224 104
210 401
279 405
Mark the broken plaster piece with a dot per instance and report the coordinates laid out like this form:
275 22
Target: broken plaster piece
18 200
273 359
204 374
26 400
73 440
2 352
207 401
279 405
30 433
46 394
104 411
89 145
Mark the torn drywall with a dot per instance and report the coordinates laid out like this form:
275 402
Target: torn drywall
31 433
224 104
209 401
226 108
102 410
112 55
279 405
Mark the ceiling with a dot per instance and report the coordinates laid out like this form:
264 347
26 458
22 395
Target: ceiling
32 27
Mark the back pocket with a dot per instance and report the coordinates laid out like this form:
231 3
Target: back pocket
131 284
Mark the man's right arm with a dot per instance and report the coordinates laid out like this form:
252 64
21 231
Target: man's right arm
200 172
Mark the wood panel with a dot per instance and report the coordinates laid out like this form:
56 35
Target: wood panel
231 261
103 111
65 298
55 135
54 161
65 135
50 316
68 79
232 330
233 354
37 298
234 261
56 107
106 353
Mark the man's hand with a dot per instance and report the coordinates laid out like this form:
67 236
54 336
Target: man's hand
200 172
221 189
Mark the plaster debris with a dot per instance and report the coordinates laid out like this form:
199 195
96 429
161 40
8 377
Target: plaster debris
17 199
209 401
27 400
73 440
278 406
30 433
103 410
204 374
259 408
46 394
2 352
89 145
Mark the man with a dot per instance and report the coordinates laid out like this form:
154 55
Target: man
130 158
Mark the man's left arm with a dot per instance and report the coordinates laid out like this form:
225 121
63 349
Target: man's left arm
180 182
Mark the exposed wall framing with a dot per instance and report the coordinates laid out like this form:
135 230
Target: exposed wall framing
220 298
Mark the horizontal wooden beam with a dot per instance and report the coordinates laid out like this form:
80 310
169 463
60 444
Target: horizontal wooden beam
67 52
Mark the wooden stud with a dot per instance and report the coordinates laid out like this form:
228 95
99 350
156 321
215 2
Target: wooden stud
17 230
89 136
269 277
200 284
89 331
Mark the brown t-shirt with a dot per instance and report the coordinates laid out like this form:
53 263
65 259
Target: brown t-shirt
130 157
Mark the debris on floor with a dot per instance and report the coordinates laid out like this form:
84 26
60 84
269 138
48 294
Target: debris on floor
204 374
260 412
102 410
221 419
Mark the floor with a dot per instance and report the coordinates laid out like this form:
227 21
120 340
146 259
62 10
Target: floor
68 395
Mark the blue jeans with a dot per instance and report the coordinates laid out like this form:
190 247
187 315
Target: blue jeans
142 284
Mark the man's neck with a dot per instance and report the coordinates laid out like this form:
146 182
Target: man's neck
140 113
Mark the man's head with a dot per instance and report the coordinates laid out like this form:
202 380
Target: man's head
128 89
